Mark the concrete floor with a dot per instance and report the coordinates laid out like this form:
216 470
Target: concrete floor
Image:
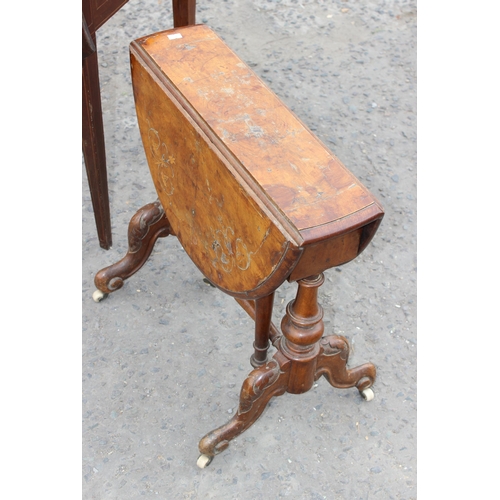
164 357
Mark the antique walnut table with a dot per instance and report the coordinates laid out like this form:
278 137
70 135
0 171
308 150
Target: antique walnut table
255 199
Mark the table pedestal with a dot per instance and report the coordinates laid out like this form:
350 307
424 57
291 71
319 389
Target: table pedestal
303 353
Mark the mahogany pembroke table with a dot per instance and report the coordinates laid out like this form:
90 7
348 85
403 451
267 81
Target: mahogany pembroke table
255 199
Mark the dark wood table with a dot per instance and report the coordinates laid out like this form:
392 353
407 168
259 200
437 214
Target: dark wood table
95 14
255 199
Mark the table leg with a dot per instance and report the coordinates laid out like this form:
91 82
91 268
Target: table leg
93 149
184 12
261 385
303 355
332 363
263 316
145 227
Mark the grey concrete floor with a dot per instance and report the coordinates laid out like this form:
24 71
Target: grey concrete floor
164 357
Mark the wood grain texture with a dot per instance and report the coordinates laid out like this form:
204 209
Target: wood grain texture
184 12
311 187
222 228
97 12
253 196
93 146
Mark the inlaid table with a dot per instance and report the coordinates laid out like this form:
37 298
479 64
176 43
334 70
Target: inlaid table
255 199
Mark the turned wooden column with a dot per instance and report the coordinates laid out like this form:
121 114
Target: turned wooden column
302 328
263 315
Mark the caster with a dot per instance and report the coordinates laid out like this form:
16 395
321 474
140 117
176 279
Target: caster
208 282
98 296
367 394
203 461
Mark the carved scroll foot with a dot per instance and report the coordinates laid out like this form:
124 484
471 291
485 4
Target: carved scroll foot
145 227
303 355
332 363
261 385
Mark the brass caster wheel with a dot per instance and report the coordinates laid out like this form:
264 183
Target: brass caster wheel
204 461
367 394
98 296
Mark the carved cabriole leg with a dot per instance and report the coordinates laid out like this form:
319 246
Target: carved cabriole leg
145 227
332 363
261 385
